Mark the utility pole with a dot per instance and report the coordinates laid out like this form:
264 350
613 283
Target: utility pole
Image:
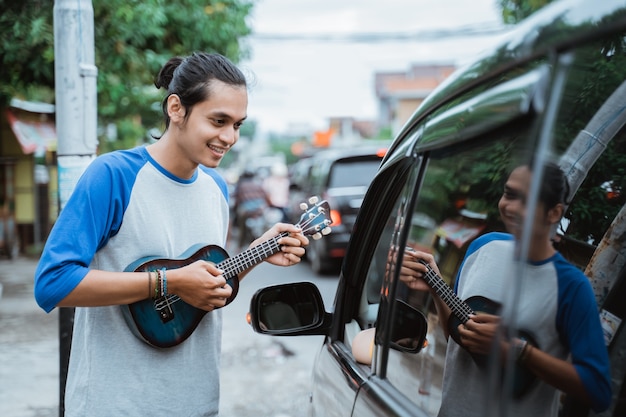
75 76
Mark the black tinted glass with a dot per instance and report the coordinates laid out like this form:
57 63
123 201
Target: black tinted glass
353 173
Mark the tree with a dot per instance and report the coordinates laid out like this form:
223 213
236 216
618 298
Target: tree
600 196
133 38
513 11
27 57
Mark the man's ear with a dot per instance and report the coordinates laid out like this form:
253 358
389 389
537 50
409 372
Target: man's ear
175 109
556 213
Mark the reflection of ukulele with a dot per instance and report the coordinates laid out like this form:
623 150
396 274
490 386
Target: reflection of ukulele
461 310
168 320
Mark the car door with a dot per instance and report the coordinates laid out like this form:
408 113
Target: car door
463 153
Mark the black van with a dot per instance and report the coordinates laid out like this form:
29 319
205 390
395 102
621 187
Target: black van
340 176
554 90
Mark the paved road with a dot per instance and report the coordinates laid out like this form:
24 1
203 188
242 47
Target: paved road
29 358
261 376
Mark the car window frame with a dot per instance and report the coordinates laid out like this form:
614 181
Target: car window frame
366 229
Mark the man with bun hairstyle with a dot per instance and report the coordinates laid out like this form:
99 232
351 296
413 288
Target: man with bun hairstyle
153 200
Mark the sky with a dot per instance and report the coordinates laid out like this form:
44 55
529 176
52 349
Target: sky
299 78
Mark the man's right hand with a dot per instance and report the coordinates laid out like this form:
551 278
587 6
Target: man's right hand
413 271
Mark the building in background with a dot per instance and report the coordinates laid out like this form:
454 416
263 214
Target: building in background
28 185
399 94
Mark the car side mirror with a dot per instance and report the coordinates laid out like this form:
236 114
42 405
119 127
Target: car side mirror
288 310
409 328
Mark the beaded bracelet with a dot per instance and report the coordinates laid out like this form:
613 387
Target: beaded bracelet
164 283
523 357
521 348
149 284
157 284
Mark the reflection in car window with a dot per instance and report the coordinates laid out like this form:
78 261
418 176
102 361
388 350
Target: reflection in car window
457 201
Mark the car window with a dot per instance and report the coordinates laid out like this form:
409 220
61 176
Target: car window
446 181
353 173
457 202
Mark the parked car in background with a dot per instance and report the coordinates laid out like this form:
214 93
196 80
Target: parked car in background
341 177
553 90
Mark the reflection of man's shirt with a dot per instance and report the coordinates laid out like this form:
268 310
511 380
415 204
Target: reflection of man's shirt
552 300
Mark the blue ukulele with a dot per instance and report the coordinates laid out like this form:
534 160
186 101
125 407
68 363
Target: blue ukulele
168 321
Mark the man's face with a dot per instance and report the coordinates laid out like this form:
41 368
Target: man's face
212 127
512 204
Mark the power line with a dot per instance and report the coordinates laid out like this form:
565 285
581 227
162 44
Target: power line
371 37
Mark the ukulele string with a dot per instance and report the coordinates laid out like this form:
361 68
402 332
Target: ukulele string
252 256
237 264
461 309
233 266
162 302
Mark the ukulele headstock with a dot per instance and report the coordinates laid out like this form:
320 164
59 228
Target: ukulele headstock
315 221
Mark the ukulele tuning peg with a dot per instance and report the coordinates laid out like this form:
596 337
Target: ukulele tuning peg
313 200
317 236
304 206
326 231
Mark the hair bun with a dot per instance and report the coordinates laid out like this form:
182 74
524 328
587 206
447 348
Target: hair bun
166 75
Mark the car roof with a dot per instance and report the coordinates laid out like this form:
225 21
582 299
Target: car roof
556 27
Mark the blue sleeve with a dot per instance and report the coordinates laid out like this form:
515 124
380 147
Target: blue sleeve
92 214
476 244
219 180
580 329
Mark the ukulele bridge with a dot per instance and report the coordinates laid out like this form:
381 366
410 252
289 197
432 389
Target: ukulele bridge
163 307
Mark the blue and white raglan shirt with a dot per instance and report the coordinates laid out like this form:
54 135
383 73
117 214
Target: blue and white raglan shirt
126 207
556 305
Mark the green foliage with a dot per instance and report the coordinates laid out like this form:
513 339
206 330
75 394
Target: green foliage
598 71
27 40
385 133
133 39
248 129
283 144
513 11
472 178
